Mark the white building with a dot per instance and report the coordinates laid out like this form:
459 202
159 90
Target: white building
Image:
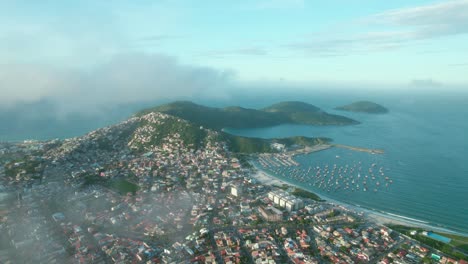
236 190
278 146
285 200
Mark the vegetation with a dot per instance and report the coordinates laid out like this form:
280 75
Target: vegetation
197 136
199 117
282 187
238 117
90 179
301 141
18 166
217 118
291 107
120 185
452 249
460 242
306 194
123 186
247 145
104 144
365 107
189 133
303 113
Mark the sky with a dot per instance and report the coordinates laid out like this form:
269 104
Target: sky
128 50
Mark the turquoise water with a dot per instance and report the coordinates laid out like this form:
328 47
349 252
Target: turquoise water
439 237
426 156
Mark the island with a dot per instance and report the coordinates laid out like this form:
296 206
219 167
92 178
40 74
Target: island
238 117
364 107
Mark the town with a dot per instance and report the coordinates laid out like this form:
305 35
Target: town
126 194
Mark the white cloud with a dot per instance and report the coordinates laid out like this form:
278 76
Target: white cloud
428 21
399 27
27 82
358 43
450 13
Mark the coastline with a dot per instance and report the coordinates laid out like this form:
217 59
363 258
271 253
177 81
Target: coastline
381 218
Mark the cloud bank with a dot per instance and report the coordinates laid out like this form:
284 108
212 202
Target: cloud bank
125 78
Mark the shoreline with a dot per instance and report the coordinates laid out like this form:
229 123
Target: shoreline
381 218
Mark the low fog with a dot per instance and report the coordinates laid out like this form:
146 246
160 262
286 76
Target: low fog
125 79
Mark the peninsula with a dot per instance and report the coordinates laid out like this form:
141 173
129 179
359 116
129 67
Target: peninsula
364 107
238 117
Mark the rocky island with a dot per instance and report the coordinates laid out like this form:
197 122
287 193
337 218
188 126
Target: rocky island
364 107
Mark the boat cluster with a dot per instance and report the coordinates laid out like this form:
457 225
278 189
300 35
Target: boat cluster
349 178
277 160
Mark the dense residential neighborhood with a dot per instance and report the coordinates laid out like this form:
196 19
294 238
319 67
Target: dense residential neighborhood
130 193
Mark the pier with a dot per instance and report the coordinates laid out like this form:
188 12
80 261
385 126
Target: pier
287 158
307 150
372 151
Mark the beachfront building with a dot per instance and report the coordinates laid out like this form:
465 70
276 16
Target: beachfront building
285 200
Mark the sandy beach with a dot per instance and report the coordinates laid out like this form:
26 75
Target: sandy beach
380 218
268 179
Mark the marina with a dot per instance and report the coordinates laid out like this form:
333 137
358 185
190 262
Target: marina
428 180
333 177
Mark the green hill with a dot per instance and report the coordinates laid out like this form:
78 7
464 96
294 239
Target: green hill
260 145
291 107
364 107
239 117
155 131
307 114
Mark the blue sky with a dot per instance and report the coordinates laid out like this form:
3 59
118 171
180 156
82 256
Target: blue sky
342 42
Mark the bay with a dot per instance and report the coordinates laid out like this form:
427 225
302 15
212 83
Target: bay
426 150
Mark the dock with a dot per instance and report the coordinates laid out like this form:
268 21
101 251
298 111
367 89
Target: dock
372 151
307 150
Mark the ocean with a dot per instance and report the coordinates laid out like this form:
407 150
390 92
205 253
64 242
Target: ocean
426 156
